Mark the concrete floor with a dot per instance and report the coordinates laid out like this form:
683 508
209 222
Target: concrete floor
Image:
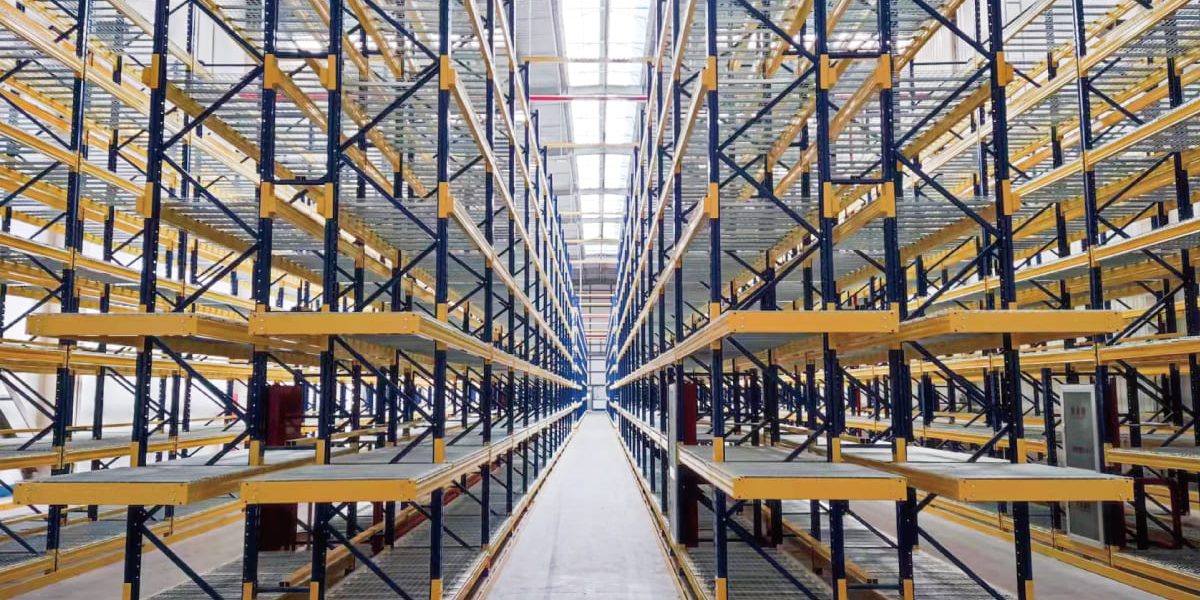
203 553
994 560
588 534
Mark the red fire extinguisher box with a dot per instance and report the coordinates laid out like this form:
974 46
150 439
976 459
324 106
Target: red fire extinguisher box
285 416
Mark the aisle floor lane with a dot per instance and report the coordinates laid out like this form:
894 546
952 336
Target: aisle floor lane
588 533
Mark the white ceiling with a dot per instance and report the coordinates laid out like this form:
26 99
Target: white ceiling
591 121
590 126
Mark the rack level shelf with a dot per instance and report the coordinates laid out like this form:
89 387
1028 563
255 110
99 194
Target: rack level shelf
372 477
1183 458
996 480
173 483
409 331
757 473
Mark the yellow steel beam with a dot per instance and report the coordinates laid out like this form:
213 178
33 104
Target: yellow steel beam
961 331
31 357
1156 352
213 336
655 436
795 15
125 493
28 577
946 434
381 482
34 283
79 326
861 336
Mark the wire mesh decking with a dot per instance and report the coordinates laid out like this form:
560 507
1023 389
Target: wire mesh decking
327 162
830 162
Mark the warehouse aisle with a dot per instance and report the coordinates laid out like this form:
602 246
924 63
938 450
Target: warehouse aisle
587 535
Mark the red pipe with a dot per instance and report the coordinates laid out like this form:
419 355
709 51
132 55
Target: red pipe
569 98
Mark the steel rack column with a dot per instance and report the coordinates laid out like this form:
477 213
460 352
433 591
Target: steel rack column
812 398
896 296
526 341
677 374
1009 393
387 393
1191 308
1110 531
826 201
68 291
1183 194
331 288
330 291
1140 516
1046 386
540 347
150 207
510 383
261 291
735 396
712 208
654 75
486 387
902 436
388 397
93 511
441 290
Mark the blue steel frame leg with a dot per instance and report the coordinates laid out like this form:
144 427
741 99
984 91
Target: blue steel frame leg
151 209
1113 517
261 289
677 284
827 204
64 396
486 383
441 288
330 291
1006 205
526 339
896 296
664 375
712 208
510 403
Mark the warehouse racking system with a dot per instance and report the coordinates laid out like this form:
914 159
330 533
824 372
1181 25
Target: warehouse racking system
894 253
374 172
848 216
